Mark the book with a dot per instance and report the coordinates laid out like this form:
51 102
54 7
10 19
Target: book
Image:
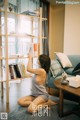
23 70
14 73
19 66
17 71
35 50
11 72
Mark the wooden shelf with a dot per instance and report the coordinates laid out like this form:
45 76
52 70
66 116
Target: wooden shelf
28 76
22 35
2 35
14 13
44 37
2 81
35 21
2 11
2 58
24 15
18 57
44 19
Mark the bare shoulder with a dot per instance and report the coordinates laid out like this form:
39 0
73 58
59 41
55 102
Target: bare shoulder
42 71
39 71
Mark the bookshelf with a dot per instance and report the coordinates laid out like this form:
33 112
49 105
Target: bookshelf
14 39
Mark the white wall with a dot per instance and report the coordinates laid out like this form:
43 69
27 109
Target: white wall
56 29
72 29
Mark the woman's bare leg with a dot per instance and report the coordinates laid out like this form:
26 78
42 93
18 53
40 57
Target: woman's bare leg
49 103
33 107
26 101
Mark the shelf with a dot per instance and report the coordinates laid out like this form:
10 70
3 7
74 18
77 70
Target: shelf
12 13
2 81
30 16
28 76
10 36
2 58
18 57
19 35
2 35
22 35
44 19
24 15
2 11
44 37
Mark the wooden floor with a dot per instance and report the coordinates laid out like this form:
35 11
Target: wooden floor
16 90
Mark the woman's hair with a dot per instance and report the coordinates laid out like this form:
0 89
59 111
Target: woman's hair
45 62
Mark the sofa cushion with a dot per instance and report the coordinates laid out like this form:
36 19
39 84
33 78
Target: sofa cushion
64 60
75 59
56 68
69 71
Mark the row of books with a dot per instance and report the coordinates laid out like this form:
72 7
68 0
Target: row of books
17 71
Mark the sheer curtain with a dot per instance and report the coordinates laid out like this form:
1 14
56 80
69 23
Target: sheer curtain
45 11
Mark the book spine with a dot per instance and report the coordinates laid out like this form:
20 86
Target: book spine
17 71
19 66
35 49
23 70
11 72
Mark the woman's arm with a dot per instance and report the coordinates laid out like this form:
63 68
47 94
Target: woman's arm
30 69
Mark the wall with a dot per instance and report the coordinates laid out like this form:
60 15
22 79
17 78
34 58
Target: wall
72 29
56 29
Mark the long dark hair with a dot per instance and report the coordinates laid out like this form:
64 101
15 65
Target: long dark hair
45 62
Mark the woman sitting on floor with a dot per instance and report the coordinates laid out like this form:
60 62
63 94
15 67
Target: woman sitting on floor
39 94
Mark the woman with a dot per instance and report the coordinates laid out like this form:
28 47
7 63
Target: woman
39 94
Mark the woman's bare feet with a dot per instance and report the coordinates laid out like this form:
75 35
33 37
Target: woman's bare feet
50 102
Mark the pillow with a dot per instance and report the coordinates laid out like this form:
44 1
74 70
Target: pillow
56 68
64 60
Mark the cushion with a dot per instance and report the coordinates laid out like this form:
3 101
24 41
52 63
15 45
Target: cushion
69 71
64 60
56 68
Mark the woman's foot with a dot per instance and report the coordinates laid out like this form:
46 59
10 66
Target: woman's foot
50 102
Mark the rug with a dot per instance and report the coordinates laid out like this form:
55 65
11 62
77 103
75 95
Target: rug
20 113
